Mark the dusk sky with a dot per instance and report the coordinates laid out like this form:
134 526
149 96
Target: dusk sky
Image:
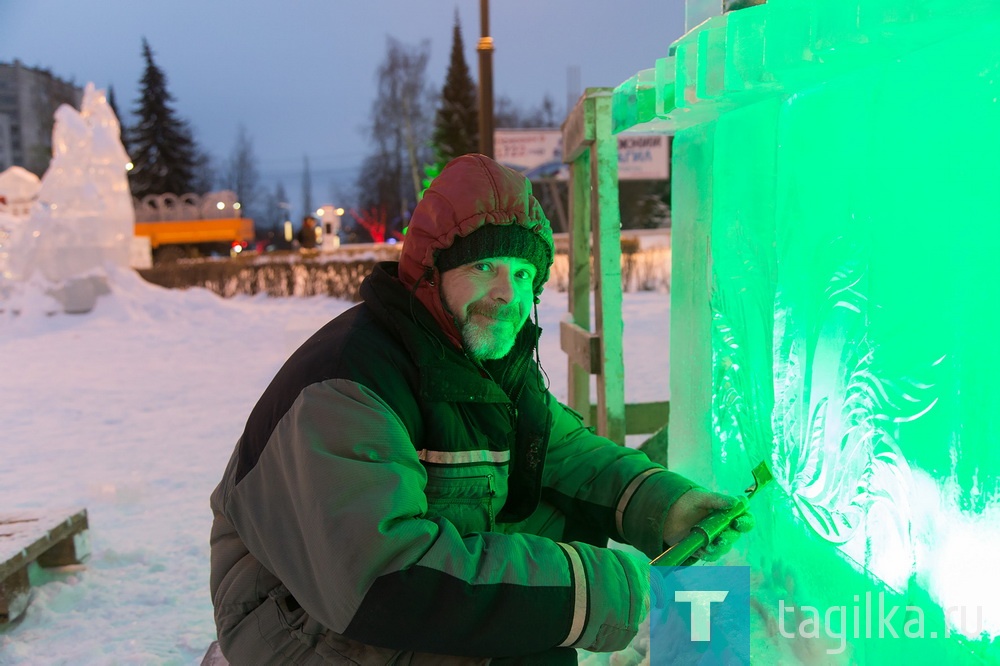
300 75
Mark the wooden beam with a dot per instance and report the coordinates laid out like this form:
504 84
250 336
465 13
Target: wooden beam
25 536
15 595
50 538
574 131
578 289
657 446
641 418
605 221
581 346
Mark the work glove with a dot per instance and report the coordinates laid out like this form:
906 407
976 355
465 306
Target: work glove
693 506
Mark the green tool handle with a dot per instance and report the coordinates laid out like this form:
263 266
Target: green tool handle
701 535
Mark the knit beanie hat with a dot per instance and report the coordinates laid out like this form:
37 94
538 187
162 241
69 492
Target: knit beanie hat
498 240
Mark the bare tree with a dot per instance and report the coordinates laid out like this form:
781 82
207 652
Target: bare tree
402 123
242 175
203 175
509 114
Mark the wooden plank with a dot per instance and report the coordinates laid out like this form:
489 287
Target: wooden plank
27 535
574 131
606 229
50 537
657 446
15 594
642 418
582 347
578 288
74 549
578 128
646 417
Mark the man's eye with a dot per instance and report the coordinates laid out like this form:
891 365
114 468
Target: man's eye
524 274
481 266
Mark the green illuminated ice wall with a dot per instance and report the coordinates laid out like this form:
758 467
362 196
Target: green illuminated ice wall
836 311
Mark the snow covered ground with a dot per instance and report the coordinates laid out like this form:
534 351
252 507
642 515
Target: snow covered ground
132 411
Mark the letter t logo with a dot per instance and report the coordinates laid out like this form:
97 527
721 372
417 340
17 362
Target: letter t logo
701 610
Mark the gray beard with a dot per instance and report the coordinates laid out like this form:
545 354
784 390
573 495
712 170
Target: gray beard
488 344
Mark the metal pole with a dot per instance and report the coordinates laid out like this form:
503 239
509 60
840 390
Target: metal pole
485 49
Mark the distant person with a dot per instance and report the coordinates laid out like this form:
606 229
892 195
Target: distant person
307 234
408 491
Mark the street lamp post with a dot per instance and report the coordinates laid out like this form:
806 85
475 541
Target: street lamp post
485 49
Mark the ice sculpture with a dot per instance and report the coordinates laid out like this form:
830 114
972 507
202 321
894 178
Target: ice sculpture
835 298
18 191
82 219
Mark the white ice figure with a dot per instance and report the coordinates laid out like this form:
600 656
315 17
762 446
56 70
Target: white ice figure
18 191
83 218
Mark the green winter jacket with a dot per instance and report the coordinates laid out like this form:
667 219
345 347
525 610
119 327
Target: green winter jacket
384 502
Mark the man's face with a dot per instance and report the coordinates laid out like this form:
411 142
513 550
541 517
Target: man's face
490 300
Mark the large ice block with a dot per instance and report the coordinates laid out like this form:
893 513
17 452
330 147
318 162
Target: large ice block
79 218
835 294
84 216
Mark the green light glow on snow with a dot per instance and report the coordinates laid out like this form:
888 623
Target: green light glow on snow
835 298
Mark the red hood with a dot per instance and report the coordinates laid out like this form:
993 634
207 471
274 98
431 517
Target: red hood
451 208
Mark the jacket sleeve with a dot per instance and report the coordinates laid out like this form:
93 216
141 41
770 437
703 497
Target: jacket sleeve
335 508
617 490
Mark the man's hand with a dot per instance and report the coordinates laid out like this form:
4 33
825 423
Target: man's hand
693 506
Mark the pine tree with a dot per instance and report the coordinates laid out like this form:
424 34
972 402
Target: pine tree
456 124
160 144
113 103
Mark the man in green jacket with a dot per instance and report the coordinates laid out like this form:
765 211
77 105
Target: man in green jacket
408 491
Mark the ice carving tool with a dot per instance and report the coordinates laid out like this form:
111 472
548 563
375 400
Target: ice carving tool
713 524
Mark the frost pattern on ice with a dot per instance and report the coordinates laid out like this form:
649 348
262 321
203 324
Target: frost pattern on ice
835 420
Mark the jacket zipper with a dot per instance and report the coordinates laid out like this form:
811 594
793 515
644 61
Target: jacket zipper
489 501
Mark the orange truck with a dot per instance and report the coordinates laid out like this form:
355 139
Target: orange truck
170 240
192 225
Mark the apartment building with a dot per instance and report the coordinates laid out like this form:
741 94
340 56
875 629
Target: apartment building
28 99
